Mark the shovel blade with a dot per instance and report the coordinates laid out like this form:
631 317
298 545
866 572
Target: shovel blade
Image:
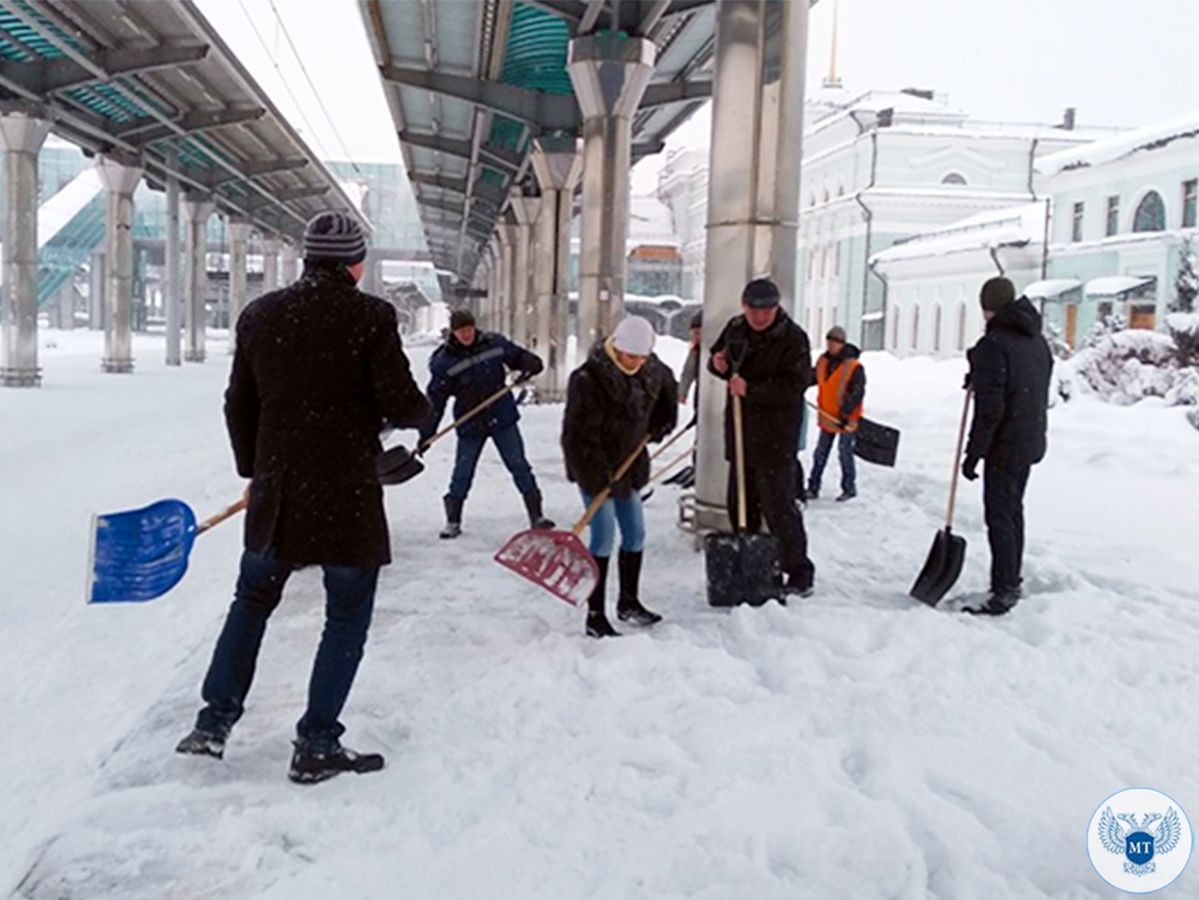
742 568
140 554
941 569
397 465
555 561
878 444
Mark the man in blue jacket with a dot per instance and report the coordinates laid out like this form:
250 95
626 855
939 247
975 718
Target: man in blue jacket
471 366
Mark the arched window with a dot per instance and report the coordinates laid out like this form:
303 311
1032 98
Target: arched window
895 328
819 323
953 178
826 195
937 328
1151 214
915 326
962 325
811 199
840 190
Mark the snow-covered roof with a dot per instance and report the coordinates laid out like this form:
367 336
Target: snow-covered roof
1151 137
1115 285
1013 226
1051 288
650 222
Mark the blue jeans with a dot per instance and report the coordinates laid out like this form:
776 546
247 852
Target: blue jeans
625 511
512 451
849 466
350 598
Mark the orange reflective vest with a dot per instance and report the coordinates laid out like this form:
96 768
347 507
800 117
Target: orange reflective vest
832 394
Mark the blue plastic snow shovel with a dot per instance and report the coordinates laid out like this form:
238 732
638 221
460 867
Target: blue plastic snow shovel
140 554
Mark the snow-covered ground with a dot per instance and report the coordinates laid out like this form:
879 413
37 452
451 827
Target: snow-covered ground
856 745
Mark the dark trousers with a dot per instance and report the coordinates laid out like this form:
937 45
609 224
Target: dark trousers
512 451
849 466
770 494
349 601
1003 504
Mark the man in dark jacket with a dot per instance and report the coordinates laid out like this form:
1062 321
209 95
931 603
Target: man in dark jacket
841 389
317 374
1010 370
472 367
767 361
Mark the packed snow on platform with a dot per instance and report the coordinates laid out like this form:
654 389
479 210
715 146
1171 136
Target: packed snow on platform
853 745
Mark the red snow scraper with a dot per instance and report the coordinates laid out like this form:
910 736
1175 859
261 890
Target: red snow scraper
558 561
140 554
948 553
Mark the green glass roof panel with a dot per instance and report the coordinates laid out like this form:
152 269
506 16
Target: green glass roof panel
536 51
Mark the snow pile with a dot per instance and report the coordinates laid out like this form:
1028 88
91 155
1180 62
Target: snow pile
1128 365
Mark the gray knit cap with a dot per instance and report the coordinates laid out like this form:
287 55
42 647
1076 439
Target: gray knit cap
334 236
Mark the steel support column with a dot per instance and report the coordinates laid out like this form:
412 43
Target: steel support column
506 232
239 244
95 291
525 210
172 289
197 212
22 137
609 72
270 264
557 164
120 181
753 193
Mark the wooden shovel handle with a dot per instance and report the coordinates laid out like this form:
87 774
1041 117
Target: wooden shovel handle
852 425
670 465
602 497
425 445
957 462
227 513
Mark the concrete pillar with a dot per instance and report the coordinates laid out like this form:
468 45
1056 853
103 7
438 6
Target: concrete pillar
609 71
270 264
557 164
120 181
525 210
753 193
64 305
22 137
172 288
239 241
495 286
289 271
197 212
506 236
95 292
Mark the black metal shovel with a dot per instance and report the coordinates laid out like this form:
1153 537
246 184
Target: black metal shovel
948 553
399 464
741 567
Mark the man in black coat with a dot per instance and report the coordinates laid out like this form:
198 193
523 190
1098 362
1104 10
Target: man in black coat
472 366
767 360
1010 370
318 372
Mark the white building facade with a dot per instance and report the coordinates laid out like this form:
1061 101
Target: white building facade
878 168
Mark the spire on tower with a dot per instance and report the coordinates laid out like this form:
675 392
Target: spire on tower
833 80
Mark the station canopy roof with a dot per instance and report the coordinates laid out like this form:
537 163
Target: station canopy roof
471 84
151 84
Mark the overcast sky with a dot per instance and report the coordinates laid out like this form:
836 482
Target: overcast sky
1120 62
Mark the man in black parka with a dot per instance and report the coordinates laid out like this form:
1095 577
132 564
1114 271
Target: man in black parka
767 359
1010 370
318 372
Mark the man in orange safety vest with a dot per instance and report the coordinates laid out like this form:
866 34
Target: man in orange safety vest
841 385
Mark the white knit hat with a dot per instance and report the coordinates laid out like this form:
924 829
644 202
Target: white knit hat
635 336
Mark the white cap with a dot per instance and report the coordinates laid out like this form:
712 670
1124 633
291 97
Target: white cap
635 336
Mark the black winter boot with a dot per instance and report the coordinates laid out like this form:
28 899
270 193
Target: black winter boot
598 625
310 764
537 518
628 607
453 519
204 742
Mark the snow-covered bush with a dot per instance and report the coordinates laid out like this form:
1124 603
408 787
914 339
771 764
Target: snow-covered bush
1110 324
1186 284
1128 366
1057 343
1184 329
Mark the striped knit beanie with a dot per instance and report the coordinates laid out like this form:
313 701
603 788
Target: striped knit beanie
334 237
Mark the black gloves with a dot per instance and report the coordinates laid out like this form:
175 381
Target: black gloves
966 382
525 377
970 468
